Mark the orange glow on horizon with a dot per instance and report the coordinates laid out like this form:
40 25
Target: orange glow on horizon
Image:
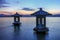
54 11
24 12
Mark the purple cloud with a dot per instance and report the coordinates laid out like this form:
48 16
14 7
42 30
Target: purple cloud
28 9
3 6
2 2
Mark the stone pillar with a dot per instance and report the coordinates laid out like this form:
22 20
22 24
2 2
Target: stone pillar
40 21
41 24
44 21
37 21
18 19
14 19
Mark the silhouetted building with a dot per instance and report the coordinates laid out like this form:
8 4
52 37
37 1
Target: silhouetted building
41 20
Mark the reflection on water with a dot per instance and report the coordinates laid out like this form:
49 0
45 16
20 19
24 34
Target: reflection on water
16 28
25 31
41 36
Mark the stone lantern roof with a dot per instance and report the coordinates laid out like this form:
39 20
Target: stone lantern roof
41 12
17 14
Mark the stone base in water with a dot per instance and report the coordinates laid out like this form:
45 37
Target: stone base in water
16 23
40 30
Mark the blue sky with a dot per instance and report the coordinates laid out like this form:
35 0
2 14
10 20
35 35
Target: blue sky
34 3
48 5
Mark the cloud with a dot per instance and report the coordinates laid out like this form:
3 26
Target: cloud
28 9
2 2
3 6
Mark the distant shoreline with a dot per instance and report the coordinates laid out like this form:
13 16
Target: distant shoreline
30 16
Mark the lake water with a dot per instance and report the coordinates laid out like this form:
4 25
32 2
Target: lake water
26 29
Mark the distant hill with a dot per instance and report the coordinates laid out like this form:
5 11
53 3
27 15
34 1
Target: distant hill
56 15
3 15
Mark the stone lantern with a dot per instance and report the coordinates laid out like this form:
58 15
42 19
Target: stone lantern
41 20
17 19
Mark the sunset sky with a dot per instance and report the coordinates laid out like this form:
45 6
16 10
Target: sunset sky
51 6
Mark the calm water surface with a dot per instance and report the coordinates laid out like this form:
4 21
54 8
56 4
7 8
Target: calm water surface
26 29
